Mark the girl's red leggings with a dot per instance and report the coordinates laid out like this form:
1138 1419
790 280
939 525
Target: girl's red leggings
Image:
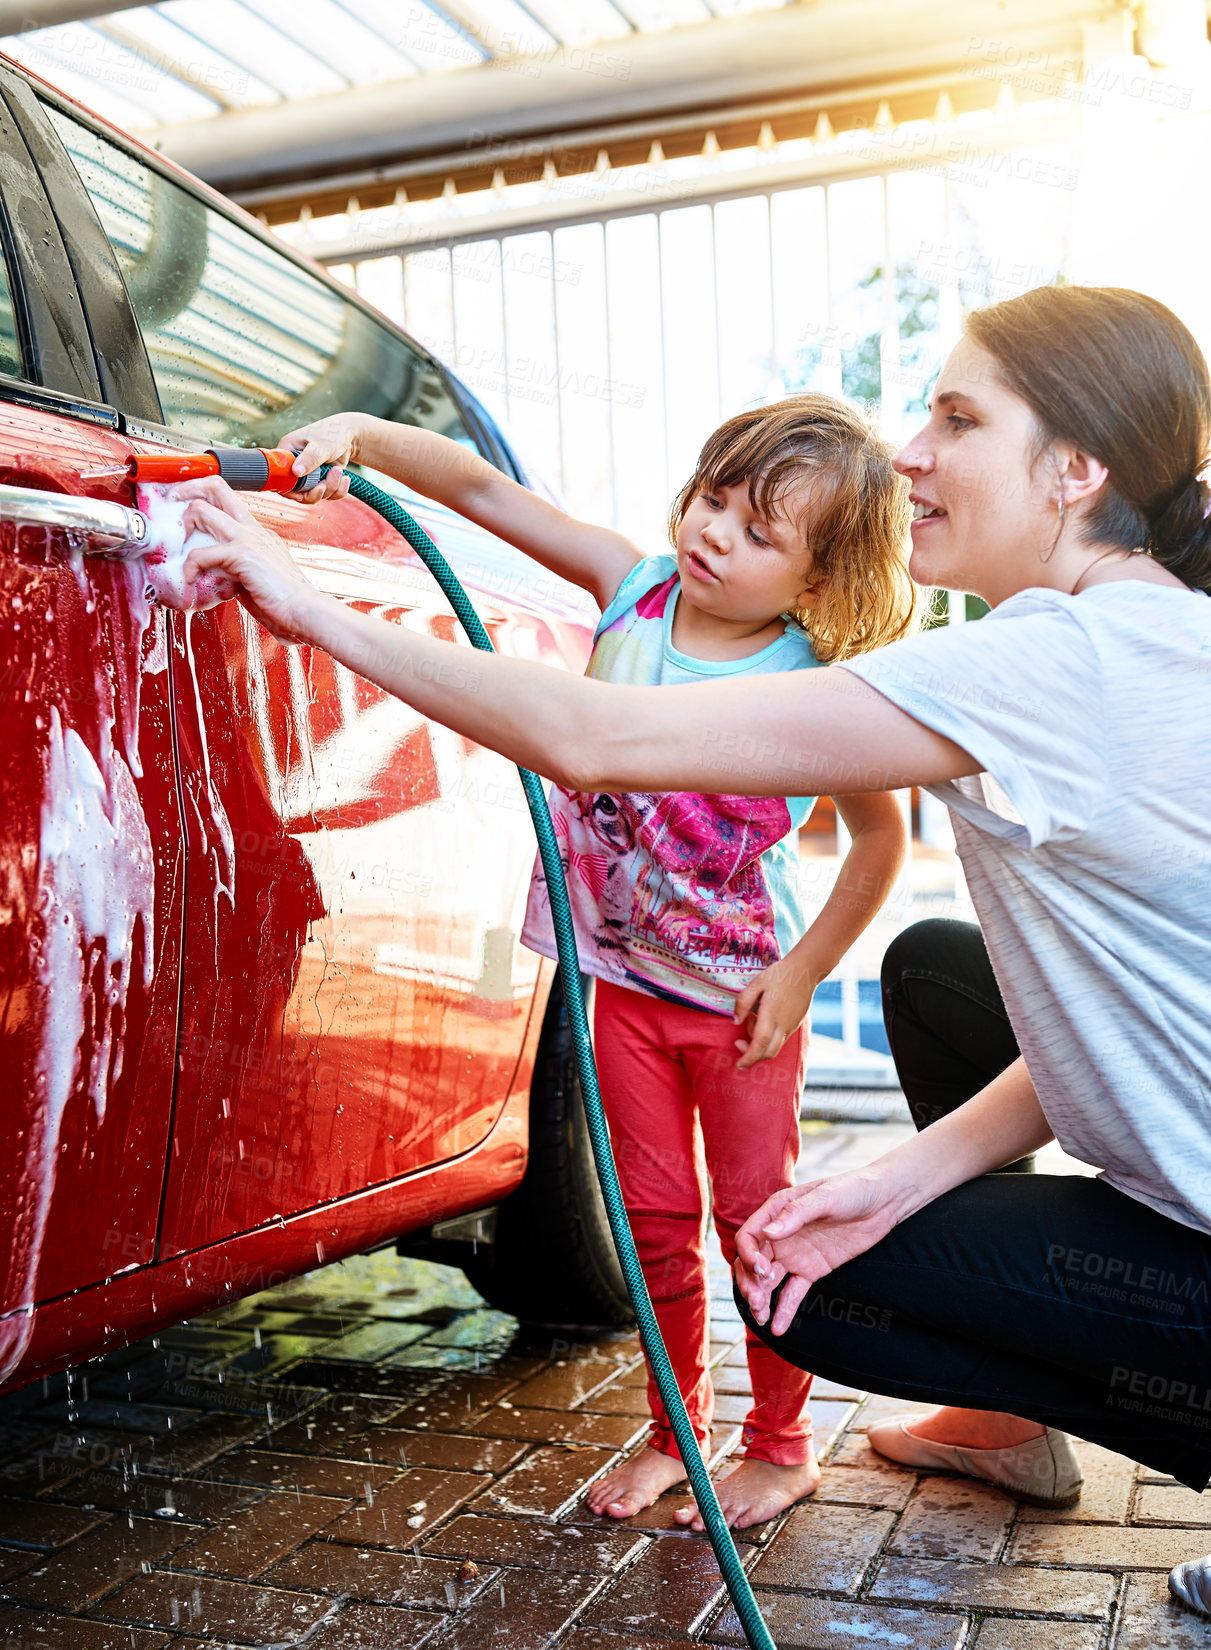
676 1104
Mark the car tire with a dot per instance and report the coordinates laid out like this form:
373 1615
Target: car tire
553 1261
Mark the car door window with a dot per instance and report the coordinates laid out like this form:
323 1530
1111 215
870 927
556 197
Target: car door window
244 343
10 345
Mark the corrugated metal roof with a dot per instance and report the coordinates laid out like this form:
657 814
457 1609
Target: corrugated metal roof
188 59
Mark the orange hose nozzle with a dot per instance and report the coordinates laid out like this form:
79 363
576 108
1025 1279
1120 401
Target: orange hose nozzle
248 469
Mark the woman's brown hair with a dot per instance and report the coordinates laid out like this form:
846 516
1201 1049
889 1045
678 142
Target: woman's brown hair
855 524
1118 375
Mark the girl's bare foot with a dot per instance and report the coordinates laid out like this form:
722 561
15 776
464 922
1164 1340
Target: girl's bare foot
635 1484
755 1491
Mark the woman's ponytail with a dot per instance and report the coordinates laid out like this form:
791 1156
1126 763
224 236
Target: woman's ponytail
1179 535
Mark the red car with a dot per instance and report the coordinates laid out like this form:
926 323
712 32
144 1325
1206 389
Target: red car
263 999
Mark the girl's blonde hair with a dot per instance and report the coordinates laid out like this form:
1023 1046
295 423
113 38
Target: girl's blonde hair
855 522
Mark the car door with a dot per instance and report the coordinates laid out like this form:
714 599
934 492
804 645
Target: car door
354 998
91 843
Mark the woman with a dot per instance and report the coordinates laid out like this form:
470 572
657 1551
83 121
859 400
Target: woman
1058 477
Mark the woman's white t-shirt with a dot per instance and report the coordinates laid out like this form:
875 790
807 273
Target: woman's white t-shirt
1086 843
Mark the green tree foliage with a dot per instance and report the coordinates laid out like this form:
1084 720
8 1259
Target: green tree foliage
861 358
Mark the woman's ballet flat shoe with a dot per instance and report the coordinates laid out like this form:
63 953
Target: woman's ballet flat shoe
1044 1471
1190 1585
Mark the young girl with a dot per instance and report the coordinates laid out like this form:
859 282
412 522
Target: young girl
789 551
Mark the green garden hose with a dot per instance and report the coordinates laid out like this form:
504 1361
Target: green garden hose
751 1620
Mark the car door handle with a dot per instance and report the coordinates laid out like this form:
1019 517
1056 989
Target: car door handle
96 526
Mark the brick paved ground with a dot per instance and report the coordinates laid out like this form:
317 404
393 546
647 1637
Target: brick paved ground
318 1465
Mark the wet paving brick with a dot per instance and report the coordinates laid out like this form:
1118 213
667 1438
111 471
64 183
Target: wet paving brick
852 1450
565 1385
187 1499
449 1360
553 1426
804 1623
638 1376
733 1354
15 1560
728 1380
995 1587
828 1417
216 1609
256 1538
549 1481
155 1419
18 1436
202 1443
424 1583
438 1449
21 1629
65 1456
528 1544
484 1329
669 1593
268 1357
523 1610
600 1638
374 1627
1105 1546
954 1518
316 1325
203 1339
83 1572
306 1474
372 1380
619 1400
1037 1635
1171 1504
732 1406
331 1428
407 1510
1151 1620
42 1527
373 1341
455 1403
823 1548
867 1486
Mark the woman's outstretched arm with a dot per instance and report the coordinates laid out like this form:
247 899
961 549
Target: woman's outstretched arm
801 733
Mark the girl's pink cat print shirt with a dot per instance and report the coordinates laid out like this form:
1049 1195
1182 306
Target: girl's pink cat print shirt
683 896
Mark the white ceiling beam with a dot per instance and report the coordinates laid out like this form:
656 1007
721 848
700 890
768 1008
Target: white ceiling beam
21 16
980 149
821 45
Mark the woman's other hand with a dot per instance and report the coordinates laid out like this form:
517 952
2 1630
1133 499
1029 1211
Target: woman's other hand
332 440
270 584
803 1233
771 1008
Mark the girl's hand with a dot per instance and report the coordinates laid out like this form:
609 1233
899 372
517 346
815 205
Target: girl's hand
803 1233
332 440
771 1008
270 585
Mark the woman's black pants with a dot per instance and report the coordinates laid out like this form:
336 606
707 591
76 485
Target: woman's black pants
1052 1297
